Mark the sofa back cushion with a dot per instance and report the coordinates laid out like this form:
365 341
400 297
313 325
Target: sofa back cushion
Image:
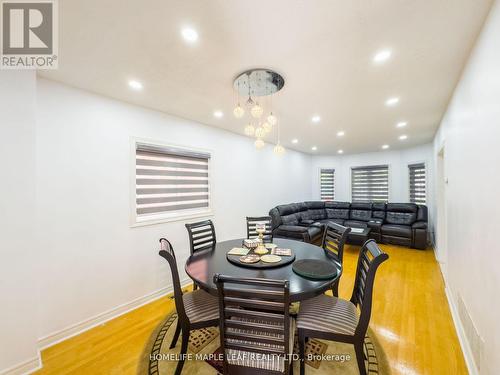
315 205
287 209
378 211
337 213
317 214
401 213
292 219
361 215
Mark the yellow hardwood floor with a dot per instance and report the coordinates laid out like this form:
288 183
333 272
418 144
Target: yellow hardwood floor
410 316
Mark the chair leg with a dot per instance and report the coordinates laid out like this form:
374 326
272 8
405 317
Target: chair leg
335 289
302 346
183 352
360 357
176 334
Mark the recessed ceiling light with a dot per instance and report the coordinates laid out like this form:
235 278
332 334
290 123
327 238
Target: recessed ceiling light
385 147
218 114
382 56
340 134
136 85
295 140
189 34
403 137
401 124
392 101
316 118
314 148
340 151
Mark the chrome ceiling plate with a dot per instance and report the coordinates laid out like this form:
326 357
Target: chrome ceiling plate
258 82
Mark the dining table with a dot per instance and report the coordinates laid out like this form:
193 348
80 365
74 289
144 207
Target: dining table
203 265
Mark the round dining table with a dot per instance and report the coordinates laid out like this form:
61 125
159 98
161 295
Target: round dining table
201 268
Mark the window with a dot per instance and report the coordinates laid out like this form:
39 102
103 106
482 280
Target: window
417 183
370 184
170 182
327 184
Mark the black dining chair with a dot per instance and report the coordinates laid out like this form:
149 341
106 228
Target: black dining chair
336 319
254 320
334 239
195 310
252 222
201 237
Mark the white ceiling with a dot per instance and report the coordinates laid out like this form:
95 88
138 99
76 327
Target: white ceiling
323 48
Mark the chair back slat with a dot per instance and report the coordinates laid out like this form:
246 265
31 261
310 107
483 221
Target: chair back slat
201 236
334 239
370 258
254 318
252 223
167 252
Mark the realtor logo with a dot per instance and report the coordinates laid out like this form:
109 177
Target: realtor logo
29 34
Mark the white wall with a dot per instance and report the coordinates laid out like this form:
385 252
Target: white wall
397 160
470 133
18 248
92 260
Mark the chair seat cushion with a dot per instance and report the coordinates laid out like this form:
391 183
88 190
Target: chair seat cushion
200 306
328 314
355 224
396 230
250 359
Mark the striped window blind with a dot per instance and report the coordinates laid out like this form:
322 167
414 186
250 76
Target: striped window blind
417 183
370 184
327 184
170 182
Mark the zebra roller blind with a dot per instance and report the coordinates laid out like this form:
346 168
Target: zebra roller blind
370 184
417 183
170 181
327 184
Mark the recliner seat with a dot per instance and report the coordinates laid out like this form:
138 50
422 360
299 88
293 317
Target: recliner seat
395 223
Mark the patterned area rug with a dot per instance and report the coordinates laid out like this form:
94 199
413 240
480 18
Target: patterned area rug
327 357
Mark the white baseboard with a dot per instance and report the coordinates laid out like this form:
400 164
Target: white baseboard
27 367
464 343
76 329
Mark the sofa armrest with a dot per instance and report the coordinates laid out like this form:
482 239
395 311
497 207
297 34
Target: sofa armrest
419 225
306 223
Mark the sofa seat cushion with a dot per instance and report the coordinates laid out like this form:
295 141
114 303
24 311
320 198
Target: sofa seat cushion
396 230
355 224
292 231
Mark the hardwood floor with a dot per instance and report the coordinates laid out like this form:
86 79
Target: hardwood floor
410 316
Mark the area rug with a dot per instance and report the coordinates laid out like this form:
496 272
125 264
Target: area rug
204 345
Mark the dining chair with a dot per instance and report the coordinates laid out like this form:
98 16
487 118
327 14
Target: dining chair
195 310
334 239
251 225
201 237
256 330
336 319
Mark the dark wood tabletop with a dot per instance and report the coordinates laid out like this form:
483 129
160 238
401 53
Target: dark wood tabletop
203 266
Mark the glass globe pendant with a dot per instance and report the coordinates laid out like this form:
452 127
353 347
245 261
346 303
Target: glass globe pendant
257 110
238 111
259 144
266 126
249 130
279 149
260 132
272 119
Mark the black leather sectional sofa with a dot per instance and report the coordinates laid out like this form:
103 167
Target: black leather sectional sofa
395 223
